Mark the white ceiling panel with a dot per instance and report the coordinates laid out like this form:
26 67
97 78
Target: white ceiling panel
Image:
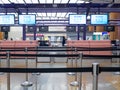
57 1
64 1
42 1
49 1
63 14
49 14
28 1
14 1
53 14
34 1
43 14
73 1
20 1
5 1
80 1
1 2
102 1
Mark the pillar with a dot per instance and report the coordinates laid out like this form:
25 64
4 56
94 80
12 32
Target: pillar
91 28
116 34
99 28
1 35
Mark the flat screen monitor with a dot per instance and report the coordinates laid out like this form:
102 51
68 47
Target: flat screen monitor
43 28
99 19
77 19
109 28
71 28
5 28
27 19
7 19
30 29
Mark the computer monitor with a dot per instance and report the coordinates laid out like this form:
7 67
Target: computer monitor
77 19
5 28
7 19
71 28
43 28
27 19
110 28
99 19
30 29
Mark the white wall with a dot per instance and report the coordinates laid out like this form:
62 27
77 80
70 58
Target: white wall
16 32
57 28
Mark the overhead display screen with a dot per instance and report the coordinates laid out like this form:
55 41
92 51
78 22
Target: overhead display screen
7 19
99 19
77 19
27 19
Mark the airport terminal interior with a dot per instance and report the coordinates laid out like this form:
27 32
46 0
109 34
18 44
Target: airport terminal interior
59 44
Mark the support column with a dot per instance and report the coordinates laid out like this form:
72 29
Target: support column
91 28
99 28
1 35
116 34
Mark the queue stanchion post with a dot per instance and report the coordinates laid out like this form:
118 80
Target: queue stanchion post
72 62
95 74
26 84
118 53
8 66
80 74
36 61
78 80
1 73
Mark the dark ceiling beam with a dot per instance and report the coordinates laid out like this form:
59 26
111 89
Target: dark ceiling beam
93 5
54 10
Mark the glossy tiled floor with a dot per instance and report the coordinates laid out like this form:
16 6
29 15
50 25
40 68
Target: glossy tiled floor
58 81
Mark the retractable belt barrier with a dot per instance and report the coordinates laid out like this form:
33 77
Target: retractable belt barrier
64 55
65 49
58 70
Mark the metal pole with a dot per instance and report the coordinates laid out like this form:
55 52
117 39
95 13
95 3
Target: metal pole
1 73
72 63
118 53
80 79
95 75
26 84
26 59
8 66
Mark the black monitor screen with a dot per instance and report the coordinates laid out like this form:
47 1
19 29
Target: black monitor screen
30 29
109 28
5 28
70 28
43 28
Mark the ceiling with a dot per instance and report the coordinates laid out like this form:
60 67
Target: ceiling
57 10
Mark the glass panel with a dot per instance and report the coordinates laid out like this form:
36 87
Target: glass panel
63 14
49 14
73 1
20 1
79 1
6 1
34 1
57 1
53 14
39 14
28 1
42 1
64 1
43 14
14 1
49 1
